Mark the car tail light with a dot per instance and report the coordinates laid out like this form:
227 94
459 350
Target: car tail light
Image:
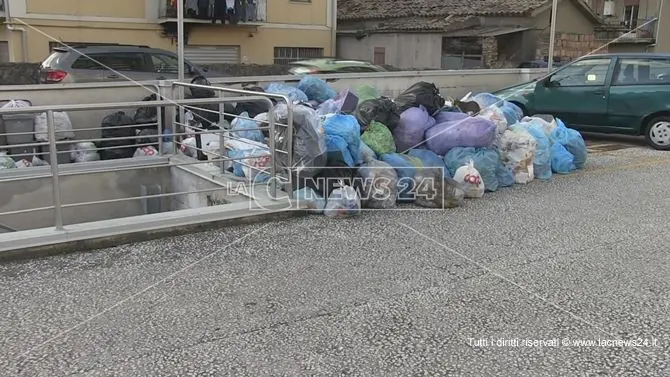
56 76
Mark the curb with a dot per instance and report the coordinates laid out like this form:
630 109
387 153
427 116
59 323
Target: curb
94 243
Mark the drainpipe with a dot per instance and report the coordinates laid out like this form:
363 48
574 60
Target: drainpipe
333 30
10 27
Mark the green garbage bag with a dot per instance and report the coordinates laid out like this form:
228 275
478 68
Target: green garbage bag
366 92
379 138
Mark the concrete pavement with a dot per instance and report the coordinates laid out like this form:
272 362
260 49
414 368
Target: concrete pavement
406 292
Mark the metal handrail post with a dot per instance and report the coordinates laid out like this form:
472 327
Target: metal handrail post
55 181
159 119
273 151
289 120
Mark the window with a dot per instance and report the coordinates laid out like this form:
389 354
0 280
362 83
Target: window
590 72
118 61
642 72
630 14
379 56
461 53
165 64
286 55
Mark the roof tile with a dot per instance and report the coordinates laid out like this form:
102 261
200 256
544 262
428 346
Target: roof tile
386 9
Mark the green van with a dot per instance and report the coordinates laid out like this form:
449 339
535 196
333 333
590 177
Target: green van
609 93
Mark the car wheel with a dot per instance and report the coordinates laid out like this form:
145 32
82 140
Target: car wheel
657 133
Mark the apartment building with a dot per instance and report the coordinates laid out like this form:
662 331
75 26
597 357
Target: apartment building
251 31
628 25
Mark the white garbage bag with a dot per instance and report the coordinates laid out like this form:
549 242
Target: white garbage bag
470 179
517 152
16 104
6 162
84 152
147 151
62 125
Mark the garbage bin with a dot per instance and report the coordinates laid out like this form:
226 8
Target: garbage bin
18 129
63 152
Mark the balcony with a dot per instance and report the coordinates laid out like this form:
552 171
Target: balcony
246 12
618 32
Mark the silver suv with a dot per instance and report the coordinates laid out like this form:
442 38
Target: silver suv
140 63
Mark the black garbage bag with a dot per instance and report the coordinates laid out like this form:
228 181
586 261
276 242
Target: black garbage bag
148 136
253 108
148 114
328 179
421 94
434 189
382 110
114 126
202 92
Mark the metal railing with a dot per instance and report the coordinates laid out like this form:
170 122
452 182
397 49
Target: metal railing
246 11
640 30
285 174
58 170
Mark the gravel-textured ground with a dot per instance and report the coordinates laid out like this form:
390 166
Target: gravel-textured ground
388 293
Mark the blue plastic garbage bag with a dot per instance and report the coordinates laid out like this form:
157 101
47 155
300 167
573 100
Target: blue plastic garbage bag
517 109
239 170
562 161
572 140
486 99
430 159
510 113
343 135
246 128
406 167
366 154
505 176
316 89
293 93
307 196
542 161
486 161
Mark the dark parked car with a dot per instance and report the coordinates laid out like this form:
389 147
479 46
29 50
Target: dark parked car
140 63
608 93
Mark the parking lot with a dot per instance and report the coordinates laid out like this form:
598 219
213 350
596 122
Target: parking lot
508 285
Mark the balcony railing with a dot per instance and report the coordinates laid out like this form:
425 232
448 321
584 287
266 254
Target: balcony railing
245 12
642 30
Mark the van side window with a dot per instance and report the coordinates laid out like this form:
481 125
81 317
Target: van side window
120 61
638 71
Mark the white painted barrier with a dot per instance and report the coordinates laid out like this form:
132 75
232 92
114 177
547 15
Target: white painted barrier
451 83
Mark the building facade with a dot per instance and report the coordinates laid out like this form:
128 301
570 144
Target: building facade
459 34
253 31
628 25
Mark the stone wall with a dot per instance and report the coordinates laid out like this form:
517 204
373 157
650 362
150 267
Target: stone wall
568 46
490 52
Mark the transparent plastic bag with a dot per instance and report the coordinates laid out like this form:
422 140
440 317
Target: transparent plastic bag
343 202
309 140
470 179
307 197
62 125
379 183
437 191
542 160
517 152
6 162
485 160
84 152
256 164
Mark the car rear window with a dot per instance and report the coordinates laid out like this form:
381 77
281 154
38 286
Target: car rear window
54 60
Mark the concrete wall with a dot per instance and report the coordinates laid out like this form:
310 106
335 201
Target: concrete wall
450 83
403 50
663 30
37 192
